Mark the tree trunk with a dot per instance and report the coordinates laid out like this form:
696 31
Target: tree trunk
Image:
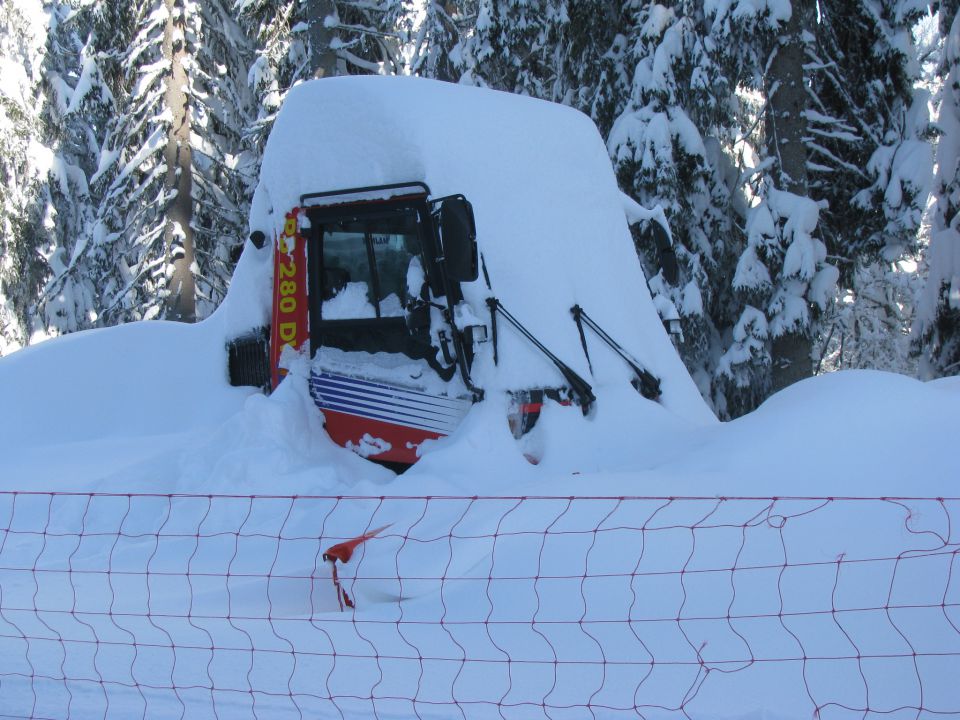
786 126
323 58
178 234
791 360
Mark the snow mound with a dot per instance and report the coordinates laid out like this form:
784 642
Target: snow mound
857 432
148 378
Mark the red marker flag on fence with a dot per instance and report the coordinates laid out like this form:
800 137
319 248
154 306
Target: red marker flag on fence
343 552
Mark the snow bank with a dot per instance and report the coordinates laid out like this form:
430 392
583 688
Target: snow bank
146 407
90 404
858 432
132 380
855 433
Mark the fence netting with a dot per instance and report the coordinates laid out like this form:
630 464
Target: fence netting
214 606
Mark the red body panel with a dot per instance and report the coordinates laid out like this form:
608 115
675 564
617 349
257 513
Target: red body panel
289 323
349 431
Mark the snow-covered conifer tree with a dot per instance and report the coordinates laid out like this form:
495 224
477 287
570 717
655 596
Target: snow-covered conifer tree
22 165
575 53
123 157
667 146
128 243
595 65
937 329
870 163
433 37
222 168
515 46
83 71
362 37
781 272
108 126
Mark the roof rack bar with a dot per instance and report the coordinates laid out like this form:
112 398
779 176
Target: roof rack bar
332 197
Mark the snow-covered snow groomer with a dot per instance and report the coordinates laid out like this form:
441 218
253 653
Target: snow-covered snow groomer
371 194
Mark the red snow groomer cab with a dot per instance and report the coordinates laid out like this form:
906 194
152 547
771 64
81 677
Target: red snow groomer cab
406 310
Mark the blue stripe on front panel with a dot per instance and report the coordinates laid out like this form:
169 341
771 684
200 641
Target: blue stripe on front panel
366 388
378 414
372 409
397 401
369 389
382 402
372 384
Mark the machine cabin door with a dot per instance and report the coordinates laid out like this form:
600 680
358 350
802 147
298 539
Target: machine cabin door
366 266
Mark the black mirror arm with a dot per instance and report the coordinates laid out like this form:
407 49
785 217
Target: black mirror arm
493 303
448 285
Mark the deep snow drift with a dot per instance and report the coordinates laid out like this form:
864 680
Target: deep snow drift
147 407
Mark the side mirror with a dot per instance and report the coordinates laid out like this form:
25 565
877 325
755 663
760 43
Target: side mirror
458 237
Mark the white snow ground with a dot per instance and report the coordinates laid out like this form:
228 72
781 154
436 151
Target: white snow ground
190 585
146 409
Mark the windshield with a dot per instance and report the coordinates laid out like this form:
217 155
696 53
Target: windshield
366 262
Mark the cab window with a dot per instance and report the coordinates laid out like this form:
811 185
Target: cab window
366 261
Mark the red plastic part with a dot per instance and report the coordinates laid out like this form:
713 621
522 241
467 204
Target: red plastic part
353 431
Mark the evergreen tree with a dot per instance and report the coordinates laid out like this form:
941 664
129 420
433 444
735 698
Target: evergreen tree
124 164
107 124
433 40
362 37
575 53
515 45
82 74
870 164
937 331
222 167
782 278
795 216
595 64
128 246
23 242
667 156
178 239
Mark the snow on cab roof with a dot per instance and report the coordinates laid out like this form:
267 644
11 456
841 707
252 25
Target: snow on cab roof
550 219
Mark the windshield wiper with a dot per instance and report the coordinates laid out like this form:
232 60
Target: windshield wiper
645 382
580 387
